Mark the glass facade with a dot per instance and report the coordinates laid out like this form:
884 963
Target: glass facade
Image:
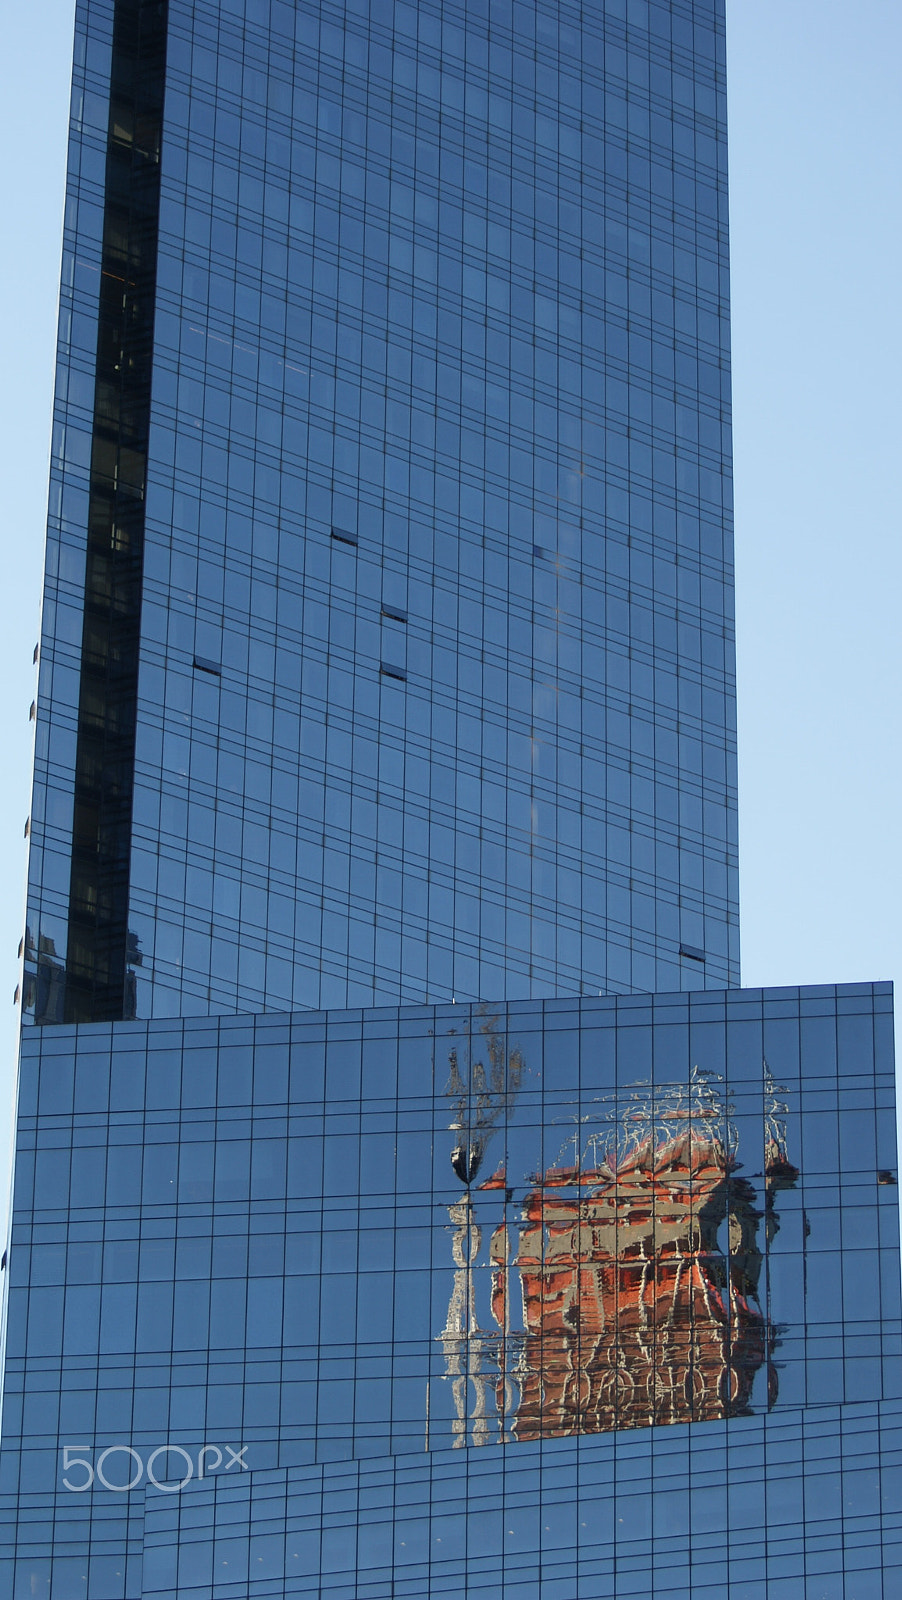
435 563
548 1233
806 1501
407 1201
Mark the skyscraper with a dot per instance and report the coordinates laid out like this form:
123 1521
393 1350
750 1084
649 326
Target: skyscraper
398 440
407 1200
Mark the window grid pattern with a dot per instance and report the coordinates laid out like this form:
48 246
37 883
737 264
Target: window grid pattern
452 285
244 1234
617 1518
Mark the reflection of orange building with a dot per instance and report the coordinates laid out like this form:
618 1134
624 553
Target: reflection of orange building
634 1312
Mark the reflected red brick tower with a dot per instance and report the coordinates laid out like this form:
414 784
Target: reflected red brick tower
638 1276
633 1315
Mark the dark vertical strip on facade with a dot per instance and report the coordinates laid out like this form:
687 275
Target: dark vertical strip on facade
99 978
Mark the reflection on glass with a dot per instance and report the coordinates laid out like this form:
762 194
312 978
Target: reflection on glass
481 1099
625 1286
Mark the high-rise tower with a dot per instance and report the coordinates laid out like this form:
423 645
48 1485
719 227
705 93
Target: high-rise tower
393 431
407 1200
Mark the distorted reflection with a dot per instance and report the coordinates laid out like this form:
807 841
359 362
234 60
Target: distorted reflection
626 1284
481 1098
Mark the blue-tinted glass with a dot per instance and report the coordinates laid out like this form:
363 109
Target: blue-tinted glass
387 661
562 1231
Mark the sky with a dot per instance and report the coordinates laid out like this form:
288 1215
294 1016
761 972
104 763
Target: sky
816 175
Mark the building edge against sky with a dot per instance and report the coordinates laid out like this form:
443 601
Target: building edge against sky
387 657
